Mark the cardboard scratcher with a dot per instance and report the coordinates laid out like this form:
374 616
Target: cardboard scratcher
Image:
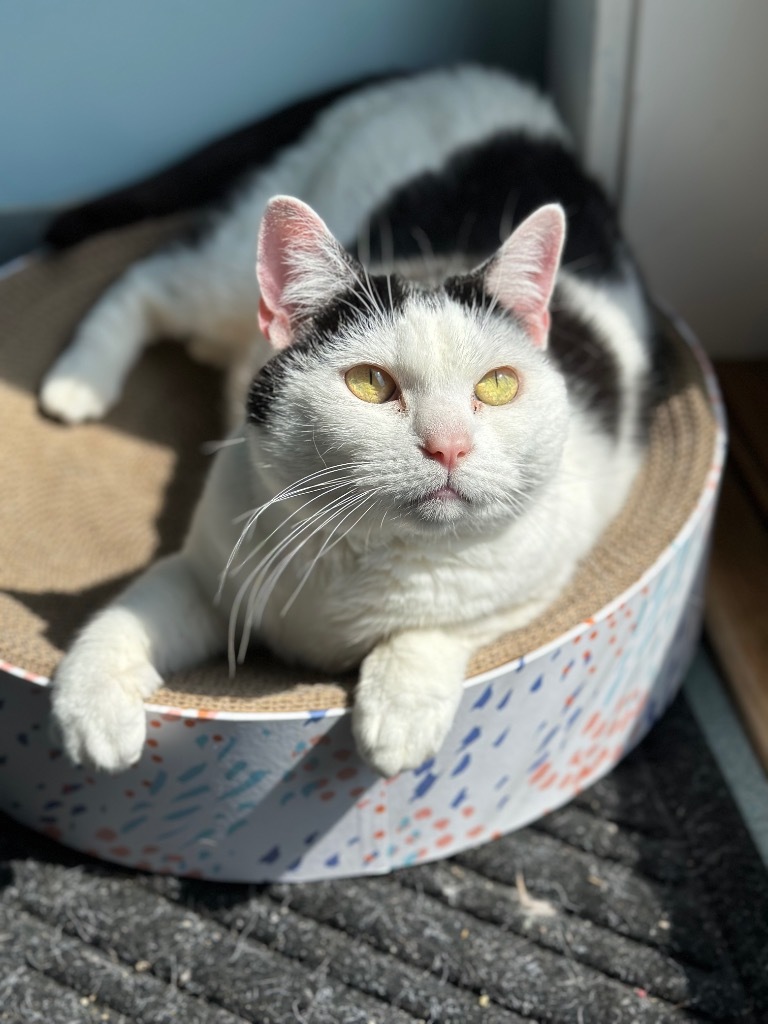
257 778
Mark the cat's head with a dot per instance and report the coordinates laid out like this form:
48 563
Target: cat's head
434 409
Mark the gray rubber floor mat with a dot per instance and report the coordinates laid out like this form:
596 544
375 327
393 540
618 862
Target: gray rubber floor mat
643 901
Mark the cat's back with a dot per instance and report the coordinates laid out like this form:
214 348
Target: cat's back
372 143
391 132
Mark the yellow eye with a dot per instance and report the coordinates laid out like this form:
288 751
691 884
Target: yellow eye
370 383
498 387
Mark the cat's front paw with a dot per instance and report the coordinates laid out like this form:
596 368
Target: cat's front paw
98 712
400 718
72 399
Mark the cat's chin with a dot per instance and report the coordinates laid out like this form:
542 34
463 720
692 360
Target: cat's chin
443 507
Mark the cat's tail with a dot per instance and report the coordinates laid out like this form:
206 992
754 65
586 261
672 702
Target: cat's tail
169 295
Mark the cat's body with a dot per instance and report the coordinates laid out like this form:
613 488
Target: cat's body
427 521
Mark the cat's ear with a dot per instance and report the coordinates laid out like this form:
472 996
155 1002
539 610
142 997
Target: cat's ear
300 266
522 274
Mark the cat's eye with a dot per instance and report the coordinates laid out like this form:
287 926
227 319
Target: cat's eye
498 387
370 383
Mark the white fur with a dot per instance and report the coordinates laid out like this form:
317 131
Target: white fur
407 588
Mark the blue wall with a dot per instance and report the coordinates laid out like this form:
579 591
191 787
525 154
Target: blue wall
94 93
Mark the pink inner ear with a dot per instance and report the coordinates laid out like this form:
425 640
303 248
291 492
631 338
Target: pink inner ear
274 325
522 273
289 229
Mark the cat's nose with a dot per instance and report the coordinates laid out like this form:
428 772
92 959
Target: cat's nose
447 449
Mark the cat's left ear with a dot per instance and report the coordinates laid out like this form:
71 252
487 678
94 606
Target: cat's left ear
521 276
300 267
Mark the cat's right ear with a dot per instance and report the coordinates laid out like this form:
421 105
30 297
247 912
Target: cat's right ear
521 276
300 267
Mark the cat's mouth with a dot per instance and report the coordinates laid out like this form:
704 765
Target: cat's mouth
445 493
444 496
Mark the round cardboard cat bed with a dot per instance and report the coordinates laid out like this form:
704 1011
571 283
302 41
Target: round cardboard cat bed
258 778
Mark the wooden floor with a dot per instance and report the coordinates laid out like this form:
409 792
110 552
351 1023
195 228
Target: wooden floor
737 593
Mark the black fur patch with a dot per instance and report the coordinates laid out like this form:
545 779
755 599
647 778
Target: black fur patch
469 290
264 386
354 306
375 293
588 366
463 206
663 378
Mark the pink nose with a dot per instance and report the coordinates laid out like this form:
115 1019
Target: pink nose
447 449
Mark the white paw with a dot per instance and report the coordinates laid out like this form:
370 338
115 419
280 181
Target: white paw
73 399
399 723
98 711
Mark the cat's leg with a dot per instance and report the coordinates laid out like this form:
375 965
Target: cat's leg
407 696
162 622
410 686
175 293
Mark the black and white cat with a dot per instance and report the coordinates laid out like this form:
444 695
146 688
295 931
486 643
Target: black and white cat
442 423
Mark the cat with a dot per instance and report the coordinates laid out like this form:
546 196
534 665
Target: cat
439 388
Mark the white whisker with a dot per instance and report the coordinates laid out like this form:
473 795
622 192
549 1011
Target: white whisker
254 514
262 590
422 240
327 546
286 492
328 490
211 447
388 255
507 218
296 528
